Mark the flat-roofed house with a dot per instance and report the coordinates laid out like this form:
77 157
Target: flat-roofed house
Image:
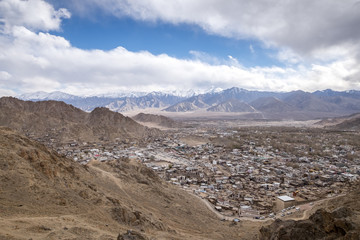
284 202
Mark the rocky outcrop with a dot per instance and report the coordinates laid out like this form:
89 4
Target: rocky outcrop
338 224
132 235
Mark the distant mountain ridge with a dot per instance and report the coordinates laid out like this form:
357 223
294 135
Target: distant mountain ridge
128 102
279 105
232 105
270 104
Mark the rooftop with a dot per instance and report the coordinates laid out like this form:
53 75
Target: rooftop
286 198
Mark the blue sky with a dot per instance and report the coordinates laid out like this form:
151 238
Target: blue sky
91 47
179 41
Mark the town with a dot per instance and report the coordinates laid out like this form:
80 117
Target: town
242 172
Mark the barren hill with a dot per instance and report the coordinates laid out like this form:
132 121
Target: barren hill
160 120
336 219
351 122
45 196
64 122
232 105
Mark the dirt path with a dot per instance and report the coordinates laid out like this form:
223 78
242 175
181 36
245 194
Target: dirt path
305 208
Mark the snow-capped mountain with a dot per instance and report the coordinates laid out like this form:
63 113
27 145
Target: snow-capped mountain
57 95
118 102
35 95
271 104
120 94
192 92
151 100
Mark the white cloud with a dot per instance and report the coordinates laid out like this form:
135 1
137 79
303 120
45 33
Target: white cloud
6 92
251 48
39 83
288 56
302 26
41 61
33 14
4 76
33 61
205 57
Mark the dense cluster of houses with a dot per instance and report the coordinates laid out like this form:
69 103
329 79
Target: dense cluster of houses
242 181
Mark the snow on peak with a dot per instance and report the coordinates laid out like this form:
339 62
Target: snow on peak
35 95
119 94
57 95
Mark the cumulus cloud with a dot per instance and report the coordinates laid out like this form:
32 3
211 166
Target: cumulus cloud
303 26
41 61
32 59
33 14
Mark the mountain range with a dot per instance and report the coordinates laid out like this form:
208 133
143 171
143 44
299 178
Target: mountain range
272 105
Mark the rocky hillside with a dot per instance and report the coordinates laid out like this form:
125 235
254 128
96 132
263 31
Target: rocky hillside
64 122
46 196
339 219
346 123
349 124
159 120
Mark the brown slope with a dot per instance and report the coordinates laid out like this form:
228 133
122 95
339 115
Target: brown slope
106 123
30 172
336 219
64 122
156 119
351 122
45 196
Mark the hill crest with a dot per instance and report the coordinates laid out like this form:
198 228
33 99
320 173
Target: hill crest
65 122
160 120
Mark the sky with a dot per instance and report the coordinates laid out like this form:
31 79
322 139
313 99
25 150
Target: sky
89 47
